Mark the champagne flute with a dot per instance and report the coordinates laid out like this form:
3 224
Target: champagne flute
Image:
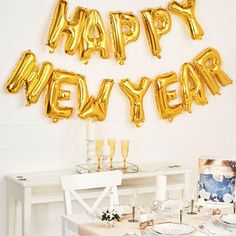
124 152
133 199
99 152
112 143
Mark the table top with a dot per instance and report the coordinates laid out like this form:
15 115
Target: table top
97 228
33 179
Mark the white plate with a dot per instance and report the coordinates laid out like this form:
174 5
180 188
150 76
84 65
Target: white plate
228 220
173 229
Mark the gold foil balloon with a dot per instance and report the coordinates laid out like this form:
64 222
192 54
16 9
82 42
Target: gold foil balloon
164 96
157 23
135 93
94 108
72 29
208 64
26 73
94 37
191 87
55 94
125 29
83 95
186 11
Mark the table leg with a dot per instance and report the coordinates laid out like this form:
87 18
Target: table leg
11 213
161 187
186 186
26 212
64 227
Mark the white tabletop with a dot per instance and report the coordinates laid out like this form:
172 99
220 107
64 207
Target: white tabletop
47 178
97 228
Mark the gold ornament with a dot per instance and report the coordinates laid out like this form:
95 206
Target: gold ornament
191 87
26 73
94 108
186 11
72 29
125 29
157 23
208 64
94 37
135 93
164 97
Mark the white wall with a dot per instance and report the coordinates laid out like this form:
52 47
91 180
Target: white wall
29 141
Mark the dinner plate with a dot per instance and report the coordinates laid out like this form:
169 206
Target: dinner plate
228 220
169 228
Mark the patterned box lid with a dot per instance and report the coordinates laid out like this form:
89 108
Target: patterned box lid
217 166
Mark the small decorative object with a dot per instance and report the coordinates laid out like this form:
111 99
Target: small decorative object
216 212
144 221
145 224
110 217
217 180
124 152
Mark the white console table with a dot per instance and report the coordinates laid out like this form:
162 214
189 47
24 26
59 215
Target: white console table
44 187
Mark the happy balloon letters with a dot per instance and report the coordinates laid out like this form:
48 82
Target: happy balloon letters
86 32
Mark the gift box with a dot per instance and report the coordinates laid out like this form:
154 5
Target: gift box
217 180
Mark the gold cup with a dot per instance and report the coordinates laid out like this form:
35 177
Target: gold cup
99 143
124 152
112 143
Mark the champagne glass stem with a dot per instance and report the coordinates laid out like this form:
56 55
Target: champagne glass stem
125 167
133 215
99 164
111 166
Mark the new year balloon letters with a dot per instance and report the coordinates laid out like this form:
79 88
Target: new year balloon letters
135 94
206 68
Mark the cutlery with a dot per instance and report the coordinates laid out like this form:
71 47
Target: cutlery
217 224
143 232
202 227
203 232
